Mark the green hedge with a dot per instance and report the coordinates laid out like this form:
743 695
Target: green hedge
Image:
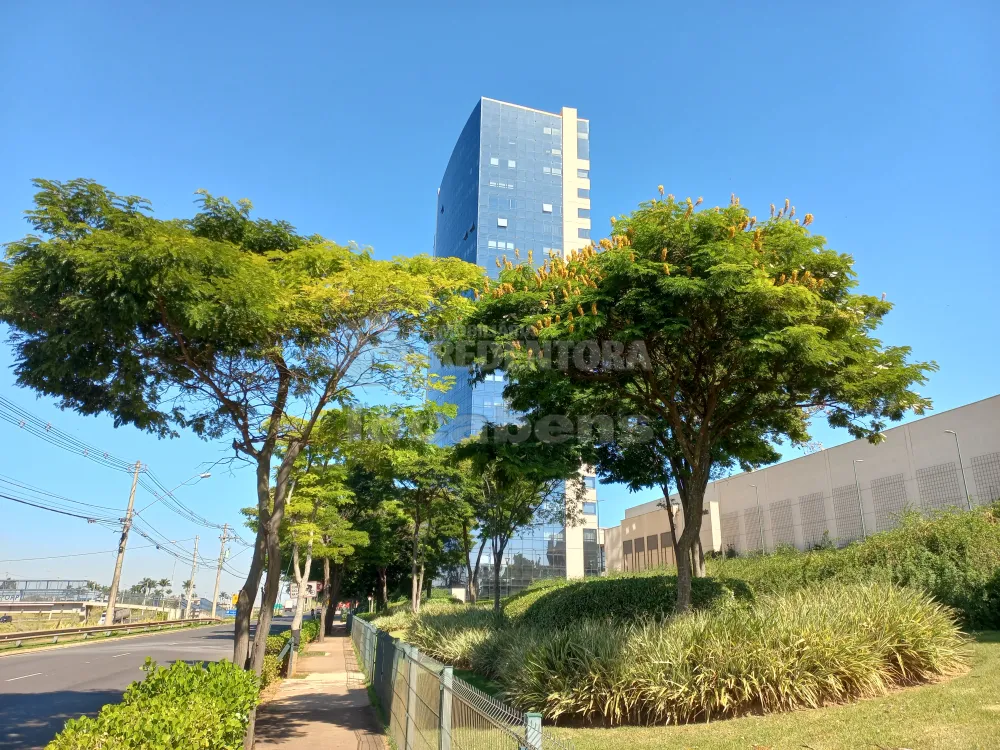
618 597
181 707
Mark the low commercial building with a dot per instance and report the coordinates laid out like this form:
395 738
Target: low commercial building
837 495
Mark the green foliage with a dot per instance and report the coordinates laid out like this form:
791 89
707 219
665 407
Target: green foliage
271 671
516 604
782 652
276 642
736 330
308 633
452 635
182 707
620 598
953 556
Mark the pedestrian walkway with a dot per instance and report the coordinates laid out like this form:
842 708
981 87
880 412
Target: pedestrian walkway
324 706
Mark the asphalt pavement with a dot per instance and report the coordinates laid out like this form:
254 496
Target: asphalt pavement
39 690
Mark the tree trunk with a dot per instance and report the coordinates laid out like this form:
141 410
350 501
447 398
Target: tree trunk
420 581
673 522
497 559
244 605
324 602
472 577
382 592
699 559
301 578
414 566
336 579
683 555
692 493
270 596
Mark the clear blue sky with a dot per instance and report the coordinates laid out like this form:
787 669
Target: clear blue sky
879 118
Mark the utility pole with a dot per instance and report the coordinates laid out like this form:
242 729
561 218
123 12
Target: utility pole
218 570
190 588
109 613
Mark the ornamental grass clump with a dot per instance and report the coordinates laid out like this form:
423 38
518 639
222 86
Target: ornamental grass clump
782 652
452 635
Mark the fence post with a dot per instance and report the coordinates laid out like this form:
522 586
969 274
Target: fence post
533 731
444 712
413 654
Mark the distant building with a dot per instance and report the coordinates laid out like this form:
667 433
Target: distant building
518 180
813 498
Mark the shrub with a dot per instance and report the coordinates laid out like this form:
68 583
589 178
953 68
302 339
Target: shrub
781 652
274 643
619 597
308 633
954 556
399 620
515 605
452 635
182 707
271 669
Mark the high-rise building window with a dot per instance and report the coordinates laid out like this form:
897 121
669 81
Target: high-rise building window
501 222
557 152
547 208
583 192
583 213
511 163
583 147
590 482
583 234
590 509
546 170
494 161
584 173
556 170
590 535
547 131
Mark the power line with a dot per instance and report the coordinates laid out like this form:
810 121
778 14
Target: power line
77 554
90 519
38 491
25 420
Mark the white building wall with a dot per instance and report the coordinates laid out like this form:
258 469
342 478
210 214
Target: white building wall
916 467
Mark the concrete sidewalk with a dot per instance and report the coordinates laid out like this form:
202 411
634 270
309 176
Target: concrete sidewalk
324 706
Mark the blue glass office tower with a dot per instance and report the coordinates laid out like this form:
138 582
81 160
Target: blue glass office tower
518 180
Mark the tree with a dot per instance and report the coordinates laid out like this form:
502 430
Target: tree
379 513
519 484
427 481
714 335
316 520
222 324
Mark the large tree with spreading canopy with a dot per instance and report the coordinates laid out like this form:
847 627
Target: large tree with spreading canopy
708 333
229 326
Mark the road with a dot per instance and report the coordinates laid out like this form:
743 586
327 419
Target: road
39 690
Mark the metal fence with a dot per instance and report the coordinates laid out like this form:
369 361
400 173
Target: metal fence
426 707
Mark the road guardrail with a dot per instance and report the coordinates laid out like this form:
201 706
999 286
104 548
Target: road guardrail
107 630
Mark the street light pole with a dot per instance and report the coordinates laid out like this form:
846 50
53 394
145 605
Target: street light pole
760 518
109 613
861 507
965 481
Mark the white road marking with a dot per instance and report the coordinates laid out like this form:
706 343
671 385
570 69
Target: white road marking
125 654
22 677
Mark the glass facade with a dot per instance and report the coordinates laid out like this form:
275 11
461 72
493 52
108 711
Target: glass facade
502 196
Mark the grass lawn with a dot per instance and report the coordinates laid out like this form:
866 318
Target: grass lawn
963 713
